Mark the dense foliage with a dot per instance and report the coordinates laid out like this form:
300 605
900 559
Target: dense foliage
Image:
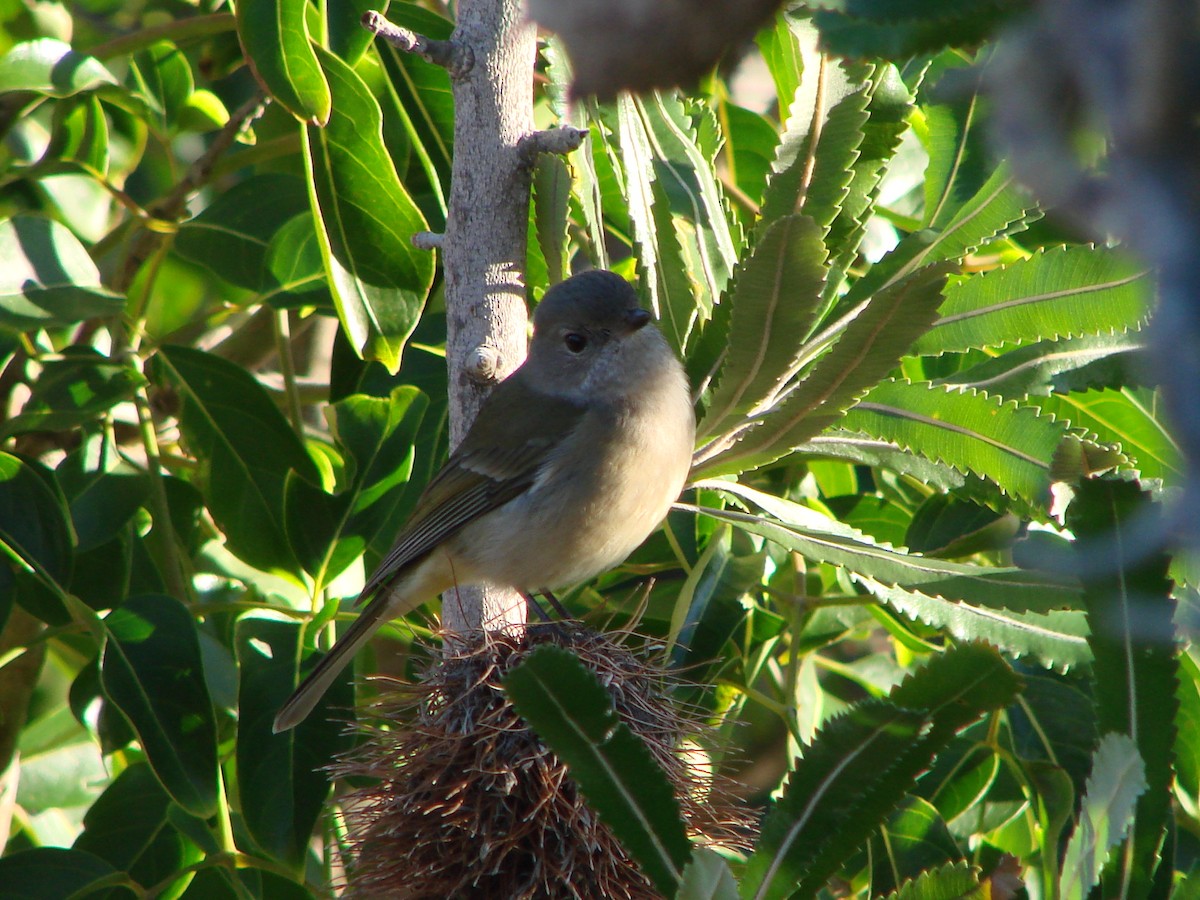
907 579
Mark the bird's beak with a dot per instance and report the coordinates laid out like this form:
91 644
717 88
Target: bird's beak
637 318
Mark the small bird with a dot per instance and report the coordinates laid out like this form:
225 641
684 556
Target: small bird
573 460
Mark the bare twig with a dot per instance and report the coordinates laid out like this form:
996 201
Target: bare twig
455 56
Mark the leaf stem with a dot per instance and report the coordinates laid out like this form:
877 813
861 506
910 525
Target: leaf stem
178 585
287 368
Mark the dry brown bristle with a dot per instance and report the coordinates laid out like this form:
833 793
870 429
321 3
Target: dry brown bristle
469 803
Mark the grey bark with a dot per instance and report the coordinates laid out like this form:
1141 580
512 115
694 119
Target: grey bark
483 251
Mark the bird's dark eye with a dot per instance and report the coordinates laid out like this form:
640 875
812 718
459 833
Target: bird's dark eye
575 341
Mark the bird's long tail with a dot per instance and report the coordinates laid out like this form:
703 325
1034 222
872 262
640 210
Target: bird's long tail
305 697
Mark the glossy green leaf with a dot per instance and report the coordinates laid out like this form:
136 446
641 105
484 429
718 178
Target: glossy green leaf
274 34
128 827
913 838
74 390
34 525
1008 444
1128 417
42 873
866 343
573 713
81 136
945 525
48 279
246 448
103 492
1131 612
161 74
366 222
377 437
295 268
348 40
1056 293
230 237
773 302
424 101
281 777
1117 780
153 671
51 67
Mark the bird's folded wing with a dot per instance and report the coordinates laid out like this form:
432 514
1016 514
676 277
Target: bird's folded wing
479 478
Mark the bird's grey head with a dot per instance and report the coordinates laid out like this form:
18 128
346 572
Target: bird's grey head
590 337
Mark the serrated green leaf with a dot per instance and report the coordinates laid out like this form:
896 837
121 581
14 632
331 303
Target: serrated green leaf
1075 364
51 67
153 671
246 449
366 221
1128 417
888 110
573 713
48 279
896 31
551 211
822 539
1130 611
688 177
959 161
855 772
784 55
274 35
1010 445
954 881
833 100
846 758
866 344
665 279
773 305
1056 639
1117 780
281 777
998 209
1057 293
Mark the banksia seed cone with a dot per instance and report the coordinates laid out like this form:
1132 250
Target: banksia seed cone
469 803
